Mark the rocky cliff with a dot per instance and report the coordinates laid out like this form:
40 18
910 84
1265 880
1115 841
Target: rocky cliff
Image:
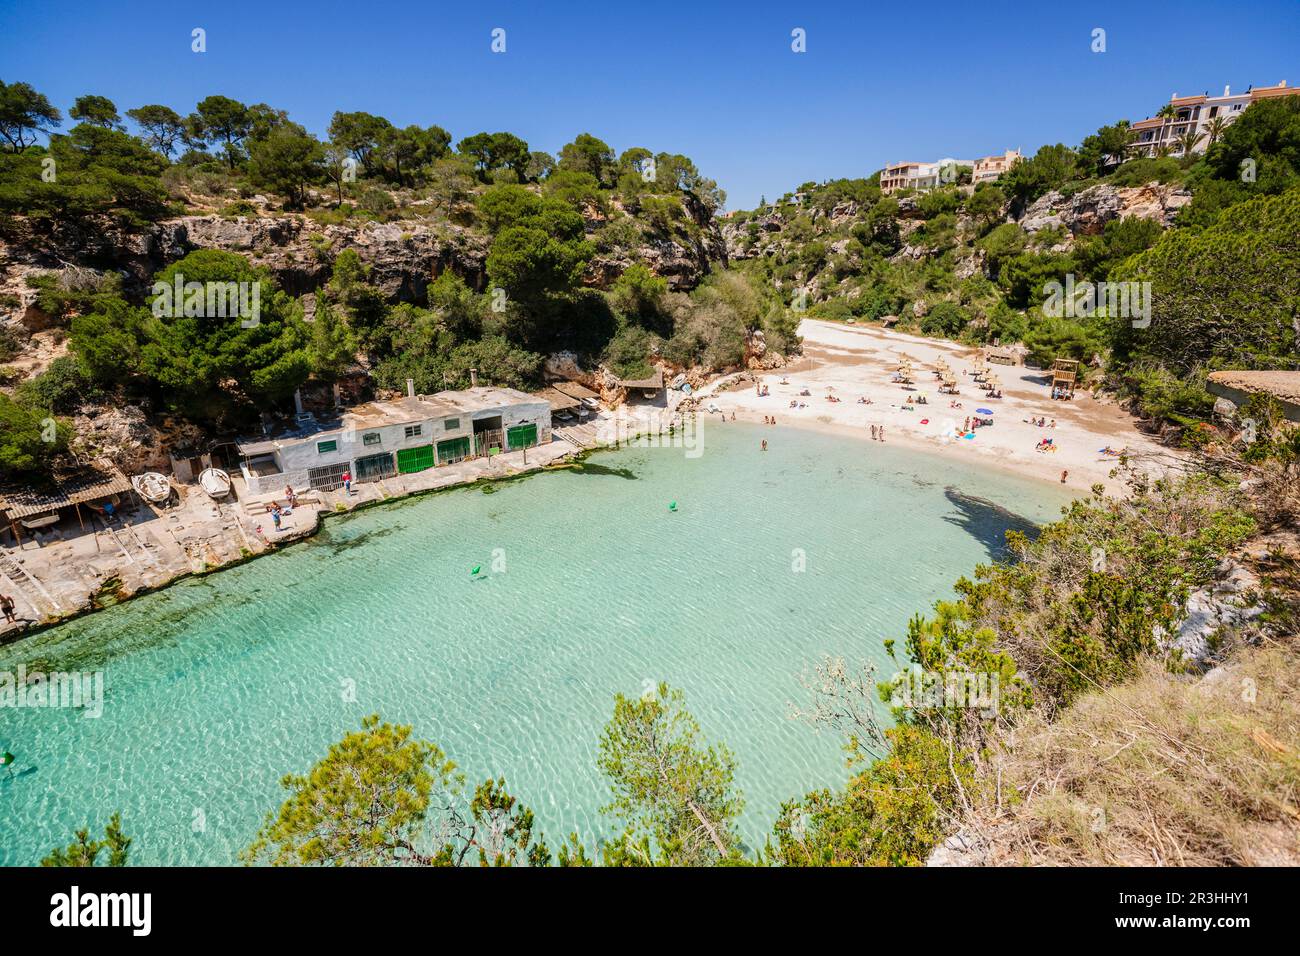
403 257
1087 211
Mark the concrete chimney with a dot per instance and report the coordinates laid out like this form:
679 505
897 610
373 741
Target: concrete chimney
410 388
297 400
473 378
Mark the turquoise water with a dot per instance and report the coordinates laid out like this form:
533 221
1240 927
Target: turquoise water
217 687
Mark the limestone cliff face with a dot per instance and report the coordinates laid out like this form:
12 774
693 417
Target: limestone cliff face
404 257
1088 211
682 263
784 232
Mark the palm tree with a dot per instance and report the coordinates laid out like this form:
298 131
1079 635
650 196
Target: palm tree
1214 129
1168 113
1163 150
1188 140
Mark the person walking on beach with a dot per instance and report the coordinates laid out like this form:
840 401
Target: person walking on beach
873 432
1064 475
764 444
882 432
275 518
347 481
7 607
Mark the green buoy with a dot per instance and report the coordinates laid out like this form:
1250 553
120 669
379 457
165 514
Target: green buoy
672 506
6 759
476 569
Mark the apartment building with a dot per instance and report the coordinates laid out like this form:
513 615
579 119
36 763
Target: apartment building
920 176
1163 134
990 168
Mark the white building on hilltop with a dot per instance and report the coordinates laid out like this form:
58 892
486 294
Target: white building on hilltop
923 176
990 168
1163 134
920 176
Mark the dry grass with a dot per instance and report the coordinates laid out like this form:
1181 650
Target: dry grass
1160 770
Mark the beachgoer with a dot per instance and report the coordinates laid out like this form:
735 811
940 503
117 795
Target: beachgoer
288 493
7 607
882 432
873 432
1064 475
347 477
764 444
275 519
1053 424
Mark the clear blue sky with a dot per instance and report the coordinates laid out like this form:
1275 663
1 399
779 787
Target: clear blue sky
716 82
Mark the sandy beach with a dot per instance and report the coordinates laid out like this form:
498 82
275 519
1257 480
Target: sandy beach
852 362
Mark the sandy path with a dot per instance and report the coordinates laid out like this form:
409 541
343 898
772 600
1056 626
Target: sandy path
851 362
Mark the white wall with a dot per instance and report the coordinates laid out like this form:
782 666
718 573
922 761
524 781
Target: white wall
296 457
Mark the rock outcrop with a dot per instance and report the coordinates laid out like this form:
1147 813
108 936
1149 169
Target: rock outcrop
1087 211
403 257
681 264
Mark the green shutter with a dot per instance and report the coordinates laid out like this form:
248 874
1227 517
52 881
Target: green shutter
522 436
453 449
414 459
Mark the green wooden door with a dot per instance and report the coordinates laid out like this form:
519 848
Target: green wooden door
453 449
522 436
415 459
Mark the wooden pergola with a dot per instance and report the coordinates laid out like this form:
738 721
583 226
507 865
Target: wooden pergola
97 482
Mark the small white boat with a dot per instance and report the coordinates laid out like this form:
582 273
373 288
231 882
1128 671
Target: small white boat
215 482
39 521
152 486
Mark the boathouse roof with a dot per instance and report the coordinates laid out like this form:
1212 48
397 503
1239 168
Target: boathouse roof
655 381
574 390
103 479
558 400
